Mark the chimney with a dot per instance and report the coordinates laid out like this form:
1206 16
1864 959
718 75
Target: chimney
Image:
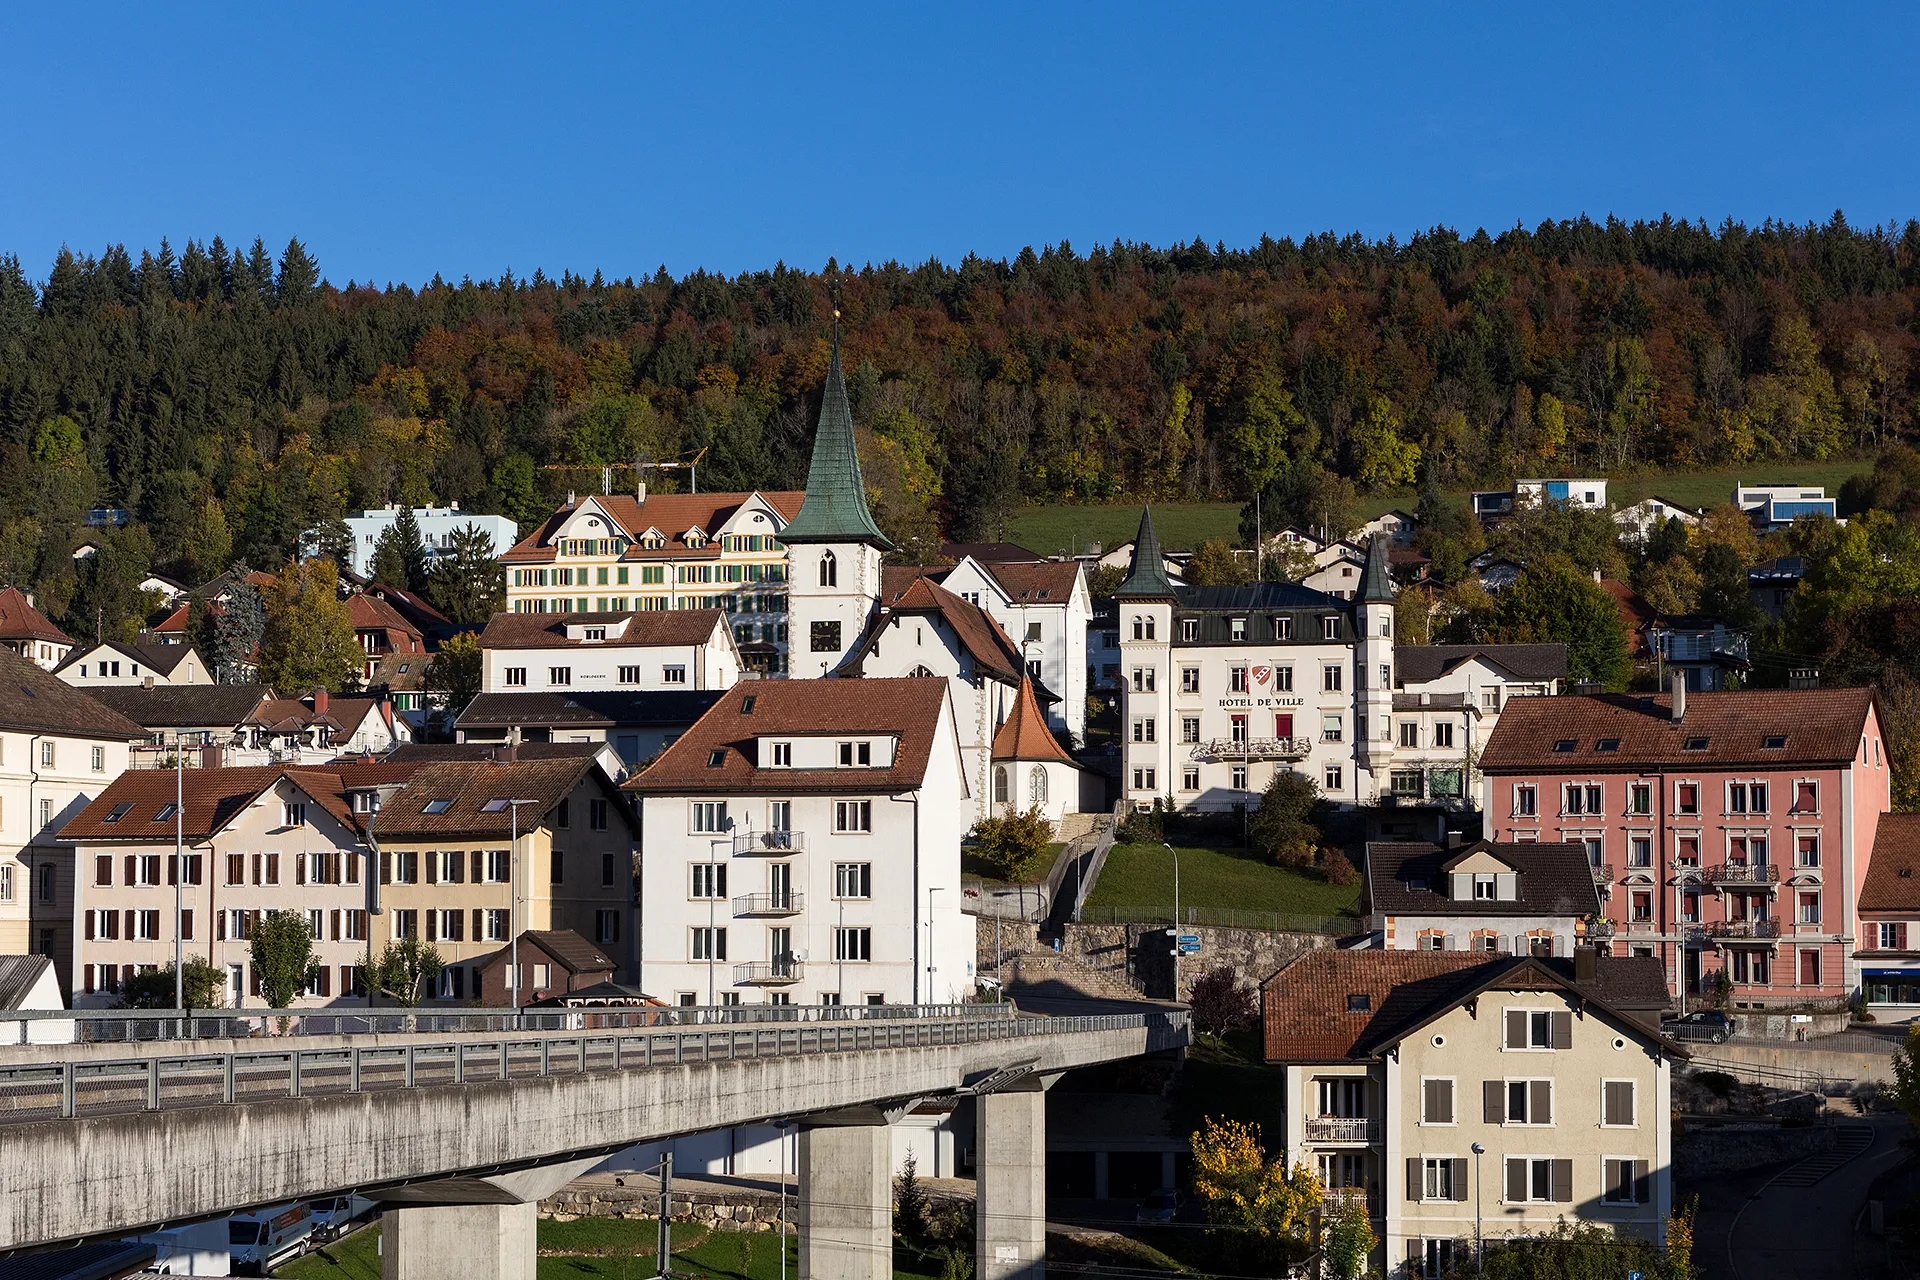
640 491
146 682
509 751
1679 697
1456 839
1586 964
211 756
319 702
1803 678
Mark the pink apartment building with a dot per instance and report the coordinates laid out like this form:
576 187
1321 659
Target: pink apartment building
1728 832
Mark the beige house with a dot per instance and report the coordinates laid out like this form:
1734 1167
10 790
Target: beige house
109 662
1398 1064
256 840
474 852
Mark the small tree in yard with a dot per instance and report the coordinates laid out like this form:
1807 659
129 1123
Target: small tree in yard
1282 828
1347 1238
1264 1205
909 1201
282 950
1014 845
1220 1003
205 987
403 965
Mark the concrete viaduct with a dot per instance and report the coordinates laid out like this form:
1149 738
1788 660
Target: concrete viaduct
460 1136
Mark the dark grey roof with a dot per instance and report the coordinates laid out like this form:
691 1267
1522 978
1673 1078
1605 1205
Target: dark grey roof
162 658
601 708
1419 663
1555 880
17 976
439 752
1258 595
184 706
1376 579
37 701
1436 702
1627 983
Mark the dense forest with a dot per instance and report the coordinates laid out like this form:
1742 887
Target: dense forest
230 399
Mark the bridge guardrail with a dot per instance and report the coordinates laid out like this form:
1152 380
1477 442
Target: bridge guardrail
71 1090
112 1026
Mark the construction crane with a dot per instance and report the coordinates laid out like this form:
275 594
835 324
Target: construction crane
640 466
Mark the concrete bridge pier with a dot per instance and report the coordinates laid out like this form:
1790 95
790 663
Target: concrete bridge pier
469 1228
846 1196
1010 1208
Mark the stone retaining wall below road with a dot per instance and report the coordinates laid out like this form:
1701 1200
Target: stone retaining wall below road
1135 955
1726 1149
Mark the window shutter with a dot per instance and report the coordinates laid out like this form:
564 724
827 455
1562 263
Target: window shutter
1642 1183
478 869
1562 1181
130 928
353 877
1540 1102
1416 1181
333 923
89 938
1516 1181
1516 1029
1563 1030
433 925
459 868
186 924
386 867
1620 1102
1493 1095
479 918
433 867
326 981
457 921
1460 1178
1900 936
219 926
1416 1257
253 980
86 972
173 869
131 861
299 868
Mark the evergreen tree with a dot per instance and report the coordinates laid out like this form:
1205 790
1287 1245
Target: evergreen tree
400 554
467 584
455 672
235 631
299 275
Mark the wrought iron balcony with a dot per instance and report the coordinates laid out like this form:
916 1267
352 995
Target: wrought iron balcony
1760 873
781 971
1342 1129
1762 930
769 843
1683 870
1602 873
1599 927
1227 750
767 904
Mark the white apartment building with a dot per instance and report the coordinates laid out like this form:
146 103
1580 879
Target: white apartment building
1586 495
256 840
1045 609
564 652
151 666
801 845
58 750
620 552
437 527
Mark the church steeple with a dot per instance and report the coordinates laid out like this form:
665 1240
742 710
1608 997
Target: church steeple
1147 574
835 508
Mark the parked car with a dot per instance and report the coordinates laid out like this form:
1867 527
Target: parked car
1161 1206
1706 1024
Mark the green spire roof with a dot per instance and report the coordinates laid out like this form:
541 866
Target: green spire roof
1147 575
1376 579
835 508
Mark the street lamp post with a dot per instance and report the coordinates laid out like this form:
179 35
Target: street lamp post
1176 916
1479 1241
179 871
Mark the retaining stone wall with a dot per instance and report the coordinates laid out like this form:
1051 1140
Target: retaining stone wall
1725 1150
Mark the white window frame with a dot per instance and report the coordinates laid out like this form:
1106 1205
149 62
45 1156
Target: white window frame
1531 1161
844 809
1606 1188
1506 1102
1530 1011
707 817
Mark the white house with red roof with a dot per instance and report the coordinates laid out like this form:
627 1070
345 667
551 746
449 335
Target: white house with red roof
29 632
567 652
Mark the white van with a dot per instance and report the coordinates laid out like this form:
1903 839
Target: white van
263 1240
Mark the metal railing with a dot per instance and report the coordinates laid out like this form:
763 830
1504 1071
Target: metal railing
1602 872
1745 930
70 1090
1230 749
780 972
135 1026
1341 1129
1745 873
774 843
768 904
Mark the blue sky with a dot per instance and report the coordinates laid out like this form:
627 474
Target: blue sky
400 140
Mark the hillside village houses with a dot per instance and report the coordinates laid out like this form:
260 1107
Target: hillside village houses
547 652
256 840
109 662
1730 831
247 724
59 749
30 633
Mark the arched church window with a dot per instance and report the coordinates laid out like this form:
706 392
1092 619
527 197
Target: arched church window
829 570
1037 785
999 784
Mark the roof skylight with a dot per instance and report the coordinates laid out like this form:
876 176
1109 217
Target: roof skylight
438 805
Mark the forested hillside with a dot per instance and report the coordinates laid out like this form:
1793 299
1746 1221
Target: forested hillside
230 399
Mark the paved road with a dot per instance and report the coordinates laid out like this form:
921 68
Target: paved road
1798 1223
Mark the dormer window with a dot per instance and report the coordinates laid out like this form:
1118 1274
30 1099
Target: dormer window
855 755
1330 627
1359 1002
780 755
596 633
1483 887
1189 630
1239 628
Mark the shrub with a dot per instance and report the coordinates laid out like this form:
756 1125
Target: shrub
1717 1083
1339 869
1282 828
1220 1003
1014 845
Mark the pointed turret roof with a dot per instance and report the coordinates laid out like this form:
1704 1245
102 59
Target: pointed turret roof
835 508
1024 734
1376 579
1147 575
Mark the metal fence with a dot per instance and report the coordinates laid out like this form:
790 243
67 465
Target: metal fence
67 1090
114 1026
1223 918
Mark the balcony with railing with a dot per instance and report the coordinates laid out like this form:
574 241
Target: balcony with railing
768 904
1365 1197
769 843
1764 929
1685 870
1599 928
1228 750
1602 873
1342 1129
1763 874
782 971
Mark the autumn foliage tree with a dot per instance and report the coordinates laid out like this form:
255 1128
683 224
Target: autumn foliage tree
309 641
1260 1206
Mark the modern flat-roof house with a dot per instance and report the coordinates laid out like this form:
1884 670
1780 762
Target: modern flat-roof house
562 652
466 868
1776 506
256 840
1509 899
437 527
1411 1075
1731 831
802 846
30 633
1584 494
151 666
59 748
1889 952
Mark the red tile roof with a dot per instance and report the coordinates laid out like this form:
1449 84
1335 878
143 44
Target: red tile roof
214 797
1635 614
1893 877
978 633
673 514
1821 726
907 709
19 620
369 613
470 785
1050 582
1024 734
644 629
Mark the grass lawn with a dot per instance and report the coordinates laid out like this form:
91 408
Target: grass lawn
1183 526
1226 1079
1139 877
973 866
